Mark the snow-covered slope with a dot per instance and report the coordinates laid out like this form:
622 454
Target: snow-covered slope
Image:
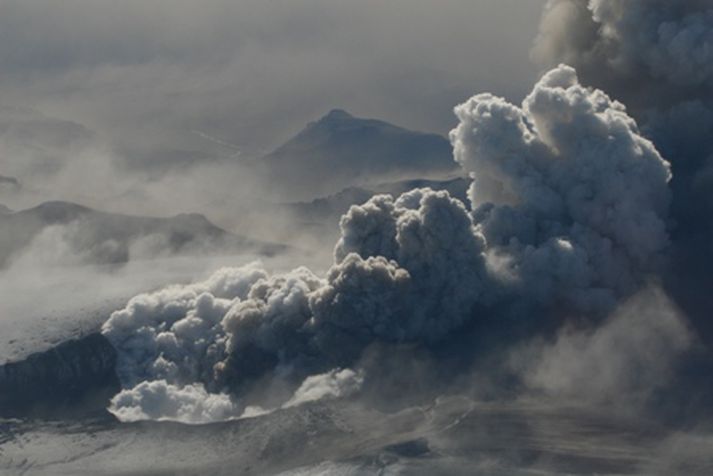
451 436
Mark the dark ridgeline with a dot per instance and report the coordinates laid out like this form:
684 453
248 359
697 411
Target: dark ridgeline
105 238
75 378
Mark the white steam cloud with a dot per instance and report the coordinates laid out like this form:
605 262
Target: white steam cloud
160 400
334 384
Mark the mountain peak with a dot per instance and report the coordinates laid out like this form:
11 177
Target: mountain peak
337 114
340 150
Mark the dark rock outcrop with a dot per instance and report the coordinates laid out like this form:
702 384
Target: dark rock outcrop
77 377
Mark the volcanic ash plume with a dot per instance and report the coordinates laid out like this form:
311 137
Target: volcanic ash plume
569 206
647 42
565 190
657 57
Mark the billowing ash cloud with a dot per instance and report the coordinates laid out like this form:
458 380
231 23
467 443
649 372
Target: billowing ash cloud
569 208
655 56
568 194
415 266
648 40
176 334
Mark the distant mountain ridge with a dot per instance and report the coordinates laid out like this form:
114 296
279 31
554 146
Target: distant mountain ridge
104 237
340 151
326 211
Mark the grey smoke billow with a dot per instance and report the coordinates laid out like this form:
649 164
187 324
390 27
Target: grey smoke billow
657 57
431 245
178 328
644 40
653 55
569 207
566 191
622 362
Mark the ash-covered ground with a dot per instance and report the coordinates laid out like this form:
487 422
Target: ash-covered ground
450 436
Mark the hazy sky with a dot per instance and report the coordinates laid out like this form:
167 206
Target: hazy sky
143 84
